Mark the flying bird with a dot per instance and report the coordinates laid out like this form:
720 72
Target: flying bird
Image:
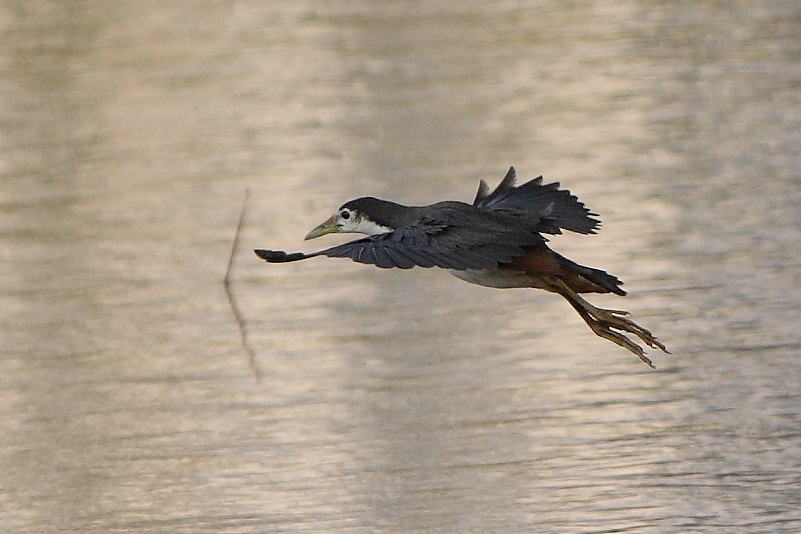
496 242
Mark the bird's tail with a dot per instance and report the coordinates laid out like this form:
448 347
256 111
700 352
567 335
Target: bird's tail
605 281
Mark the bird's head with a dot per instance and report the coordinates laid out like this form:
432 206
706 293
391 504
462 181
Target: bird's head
364 215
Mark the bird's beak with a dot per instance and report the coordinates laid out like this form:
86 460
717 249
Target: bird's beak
328 227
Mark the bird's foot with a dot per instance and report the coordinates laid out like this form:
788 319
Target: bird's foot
606 320
608 324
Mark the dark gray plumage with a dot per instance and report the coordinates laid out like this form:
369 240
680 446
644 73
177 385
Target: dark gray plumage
450 235
540 208
496 241
495 229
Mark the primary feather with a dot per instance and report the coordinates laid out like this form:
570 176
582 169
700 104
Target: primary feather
540 208
446 236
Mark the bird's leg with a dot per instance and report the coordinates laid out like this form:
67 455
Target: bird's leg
602 321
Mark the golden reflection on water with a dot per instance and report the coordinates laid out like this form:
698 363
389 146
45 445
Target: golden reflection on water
393 400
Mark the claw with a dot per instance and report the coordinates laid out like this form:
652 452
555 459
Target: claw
603 321
605 332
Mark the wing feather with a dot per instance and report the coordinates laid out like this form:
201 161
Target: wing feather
451 235
541 208
498 227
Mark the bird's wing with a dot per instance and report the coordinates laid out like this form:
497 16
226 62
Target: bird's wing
540 208
447 236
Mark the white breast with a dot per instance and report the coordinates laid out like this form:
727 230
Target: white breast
498 278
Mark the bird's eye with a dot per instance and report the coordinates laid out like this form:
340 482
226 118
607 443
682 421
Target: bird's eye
344 214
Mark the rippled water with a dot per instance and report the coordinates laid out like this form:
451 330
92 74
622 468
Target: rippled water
394 401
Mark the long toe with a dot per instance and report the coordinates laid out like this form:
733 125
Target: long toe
612 319
604 331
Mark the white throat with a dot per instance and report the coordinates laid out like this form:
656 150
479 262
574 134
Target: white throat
365 226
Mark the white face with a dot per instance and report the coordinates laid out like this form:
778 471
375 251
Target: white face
351 221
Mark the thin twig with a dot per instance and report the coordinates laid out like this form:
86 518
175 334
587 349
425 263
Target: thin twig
240 320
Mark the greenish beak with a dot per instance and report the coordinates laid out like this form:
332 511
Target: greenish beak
328 227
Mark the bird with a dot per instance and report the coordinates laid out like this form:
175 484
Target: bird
497 241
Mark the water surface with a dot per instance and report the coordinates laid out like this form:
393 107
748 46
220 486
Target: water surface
394 401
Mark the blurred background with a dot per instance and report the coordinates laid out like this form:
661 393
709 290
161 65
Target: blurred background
394 401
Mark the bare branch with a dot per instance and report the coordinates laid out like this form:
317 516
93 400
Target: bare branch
240 320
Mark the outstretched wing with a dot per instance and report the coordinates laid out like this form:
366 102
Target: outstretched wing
447 236
540 208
